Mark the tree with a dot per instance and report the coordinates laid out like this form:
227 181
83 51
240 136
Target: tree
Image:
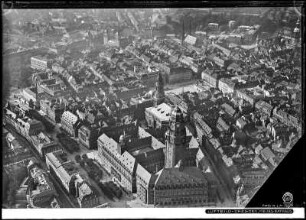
82 163
91 174
84 156
77 158
31 104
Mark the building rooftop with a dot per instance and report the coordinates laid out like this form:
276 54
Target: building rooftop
85 189
229 109
266 153
10 137
42 138
139 145
193 143
155 144
43 182
180 177
69 117
161 111
70 168
57 158
40 58
190 40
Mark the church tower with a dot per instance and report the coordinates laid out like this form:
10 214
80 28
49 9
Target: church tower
159 96
296 32
176 145
105 37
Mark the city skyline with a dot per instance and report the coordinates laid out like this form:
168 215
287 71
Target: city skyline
160 107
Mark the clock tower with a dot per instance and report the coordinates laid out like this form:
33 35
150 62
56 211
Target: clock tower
176 146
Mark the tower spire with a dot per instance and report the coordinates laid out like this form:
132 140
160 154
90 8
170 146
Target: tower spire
159 93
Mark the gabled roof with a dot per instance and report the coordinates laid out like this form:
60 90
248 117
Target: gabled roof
190 40
229 109
193 143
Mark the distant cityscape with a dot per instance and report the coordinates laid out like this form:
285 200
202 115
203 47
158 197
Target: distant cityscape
149 107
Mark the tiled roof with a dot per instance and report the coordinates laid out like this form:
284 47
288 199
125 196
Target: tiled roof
70 117
174 176
229 109
190 40
156 144
266 153
85 189
54 159
43 181
193 143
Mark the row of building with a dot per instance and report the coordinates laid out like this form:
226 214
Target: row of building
163 175
31 129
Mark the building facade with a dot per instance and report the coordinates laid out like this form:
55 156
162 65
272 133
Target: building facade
69 121
40 191
88 136
180 187
39 63
121 166
210 79
161 175
226 85
67 174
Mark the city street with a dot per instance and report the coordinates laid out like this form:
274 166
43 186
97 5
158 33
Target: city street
223 188
63 197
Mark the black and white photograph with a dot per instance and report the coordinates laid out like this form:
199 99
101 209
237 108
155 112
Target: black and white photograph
173 109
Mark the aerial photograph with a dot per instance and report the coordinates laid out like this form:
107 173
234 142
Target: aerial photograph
147 107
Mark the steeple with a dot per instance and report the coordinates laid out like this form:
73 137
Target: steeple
159 93
105 37
296 31
176 146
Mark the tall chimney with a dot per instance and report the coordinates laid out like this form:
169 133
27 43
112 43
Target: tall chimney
156 168
190 26
183 32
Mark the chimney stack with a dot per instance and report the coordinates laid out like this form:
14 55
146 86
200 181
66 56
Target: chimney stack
156 168
183 32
